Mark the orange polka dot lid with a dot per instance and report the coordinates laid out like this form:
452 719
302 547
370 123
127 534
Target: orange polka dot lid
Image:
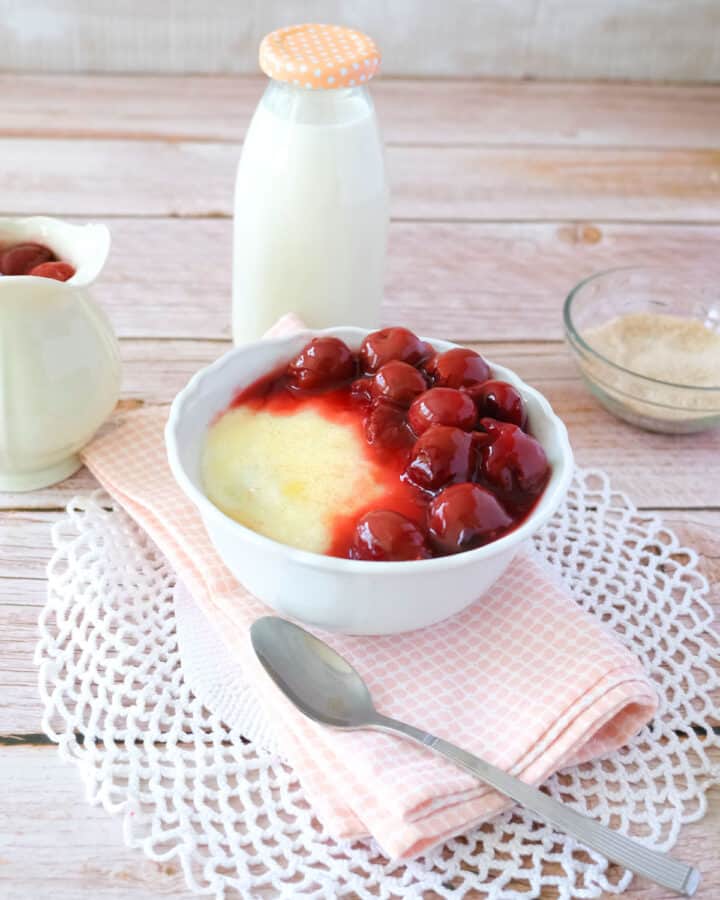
320 57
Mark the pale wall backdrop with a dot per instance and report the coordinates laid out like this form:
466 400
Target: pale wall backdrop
664 40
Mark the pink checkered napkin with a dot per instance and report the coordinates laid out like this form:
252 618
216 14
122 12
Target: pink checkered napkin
524 678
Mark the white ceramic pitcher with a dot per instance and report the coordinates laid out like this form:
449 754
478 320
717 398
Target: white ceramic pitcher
59 359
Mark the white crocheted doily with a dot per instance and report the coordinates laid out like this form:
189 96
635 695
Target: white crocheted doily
231 810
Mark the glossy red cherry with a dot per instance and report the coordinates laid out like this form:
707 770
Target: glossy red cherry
18 260
399 382
442 406
60 271
386 426
500 400
323 363
464 516
360 391
387 536
458 368
441 455
513 460
387 344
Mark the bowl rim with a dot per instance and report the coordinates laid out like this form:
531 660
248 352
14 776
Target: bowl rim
574 336
546 506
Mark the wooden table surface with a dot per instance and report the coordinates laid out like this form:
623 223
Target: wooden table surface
504 195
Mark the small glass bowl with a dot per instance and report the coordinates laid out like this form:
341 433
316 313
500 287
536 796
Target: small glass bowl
649 403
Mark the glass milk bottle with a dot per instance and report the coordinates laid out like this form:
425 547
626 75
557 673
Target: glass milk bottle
311 198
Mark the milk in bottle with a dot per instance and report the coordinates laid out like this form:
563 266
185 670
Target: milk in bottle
311 199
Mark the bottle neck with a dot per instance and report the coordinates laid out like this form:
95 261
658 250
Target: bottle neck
317 107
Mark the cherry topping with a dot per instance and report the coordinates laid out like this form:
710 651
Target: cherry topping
60 271
382 346
18 260
458 368
513 460
454 468
387 536
360 391
399 382
324 363
386 426
500 400
442 406
440 456
464 516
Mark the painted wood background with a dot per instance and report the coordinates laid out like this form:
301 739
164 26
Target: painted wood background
666 40
504 195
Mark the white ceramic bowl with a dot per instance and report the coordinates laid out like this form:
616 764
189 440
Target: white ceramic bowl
349 596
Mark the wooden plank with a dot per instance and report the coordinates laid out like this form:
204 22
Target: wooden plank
20 705
60 847
548 183
54 844
88 177
508 281
464 281
218 108
524 285
25 548
593 39
654 469
155 371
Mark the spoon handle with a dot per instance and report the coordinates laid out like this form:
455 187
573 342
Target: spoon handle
659 867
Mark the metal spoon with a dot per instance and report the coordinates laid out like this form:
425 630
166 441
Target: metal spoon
327 689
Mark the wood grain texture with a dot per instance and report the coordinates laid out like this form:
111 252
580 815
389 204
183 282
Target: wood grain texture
653 469
462 280
218 108
557 162
538 38
156 370
26 547
77 850
159 178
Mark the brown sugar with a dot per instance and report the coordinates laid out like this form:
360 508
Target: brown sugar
681 355
667 348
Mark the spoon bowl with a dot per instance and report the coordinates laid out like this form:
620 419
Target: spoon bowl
321 683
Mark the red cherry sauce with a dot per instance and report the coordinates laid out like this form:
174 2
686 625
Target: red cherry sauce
508 469
273 393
